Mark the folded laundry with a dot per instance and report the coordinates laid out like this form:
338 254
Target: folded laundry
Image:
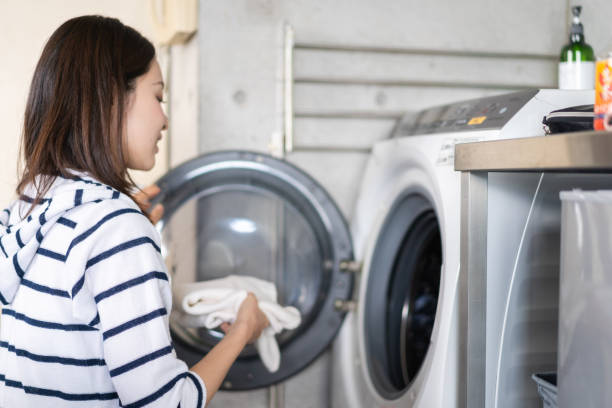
210 303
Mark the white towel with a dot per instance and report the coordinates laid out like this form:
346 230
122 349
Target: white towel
210 303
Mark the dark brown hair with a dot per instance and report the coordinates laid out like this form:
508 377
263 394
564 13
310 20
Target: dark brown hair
74 113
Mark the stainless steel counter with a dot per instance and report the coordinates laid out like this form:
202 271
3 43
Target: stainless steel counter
573 152
580 152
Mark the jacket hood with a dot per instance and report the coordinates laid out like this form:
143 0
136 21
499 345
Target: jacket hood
20 240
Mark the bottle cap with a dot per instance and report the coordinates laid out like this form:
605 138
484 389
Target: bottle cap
576 24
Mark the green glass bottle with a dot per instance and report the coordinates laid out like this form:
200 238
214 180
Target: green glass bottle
577 62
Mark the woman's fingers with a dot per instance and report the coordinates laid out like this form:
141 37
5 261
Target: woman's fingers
156 213
259 321
152 190
144 195
266 322
143 198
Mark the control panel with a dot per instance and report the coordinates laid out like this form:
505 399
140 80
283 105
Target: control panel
485 113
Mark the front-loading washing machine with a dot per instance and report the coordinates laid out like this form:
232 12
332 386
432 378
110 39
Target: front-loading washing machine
247 213
400 346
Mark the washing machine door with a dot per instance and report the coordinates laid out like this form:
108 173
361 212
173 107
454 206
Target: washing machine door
246 213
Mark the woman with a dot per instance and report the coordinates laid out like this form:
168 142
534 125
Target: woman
85 290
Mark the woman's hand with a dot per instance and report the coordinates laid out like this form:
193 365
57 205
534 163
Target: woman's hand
248 326
250 318
143 198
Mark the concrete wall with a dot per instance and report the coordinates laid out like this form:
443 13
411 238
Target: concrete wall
596 17
358 65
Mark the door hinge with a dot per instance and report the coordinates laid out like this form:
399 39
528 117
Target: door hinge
350 266
345 305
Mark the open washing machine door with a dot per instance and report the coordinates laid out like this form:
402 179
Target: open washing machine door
247 213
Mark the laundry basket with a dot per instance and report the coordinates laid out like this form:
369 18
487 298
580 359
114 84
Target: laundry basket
547 388
584 359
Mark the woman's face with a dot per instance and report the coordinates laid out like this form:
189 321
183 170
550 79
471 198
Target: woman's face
144 120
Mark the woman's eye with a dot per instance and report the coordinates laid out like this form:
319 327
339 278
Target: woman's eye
160 99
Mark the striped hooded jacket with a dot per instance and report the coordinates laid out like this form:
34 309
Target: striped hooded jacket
86 300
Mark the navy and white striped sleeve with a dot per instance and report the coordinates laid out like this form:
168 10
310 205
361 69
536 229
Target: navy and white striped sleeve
126 277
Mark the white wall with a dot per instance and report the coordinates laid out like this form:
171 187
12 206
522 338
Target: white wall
25 26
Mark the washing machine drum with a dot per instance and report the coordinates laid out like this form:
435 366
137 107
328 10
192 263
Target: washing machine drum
245 213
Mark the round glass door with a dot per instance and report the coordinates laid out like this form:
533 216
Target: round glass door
242 213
